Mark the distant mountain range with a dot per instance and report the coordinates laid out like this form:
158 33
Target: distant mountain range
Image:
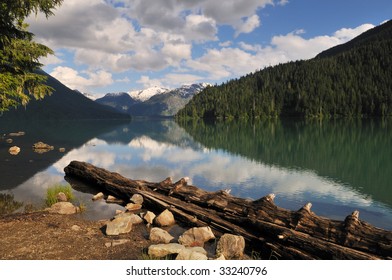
145 94
64 103
155 101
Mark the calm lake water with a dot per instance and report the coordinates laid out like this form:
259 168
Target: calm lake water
338 166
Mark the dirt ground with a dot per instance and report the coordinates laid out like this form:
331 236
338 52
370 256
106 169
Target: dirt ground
44 236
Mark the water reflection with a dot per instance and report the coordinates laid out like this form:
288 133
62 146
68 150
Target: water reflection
8 204
252 160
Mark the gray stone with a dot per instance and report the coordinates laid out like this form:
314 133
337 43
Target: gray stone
64 208
164 219
231 246
61 197
196 236
149 217
158 235
14 150
194 253
137 199
162 250
119 225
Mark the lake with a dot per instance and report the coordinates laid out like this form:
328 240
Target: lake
338 166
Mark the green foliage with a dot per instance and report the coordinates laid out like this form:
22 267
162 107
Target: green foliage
350 81
51 194
19 54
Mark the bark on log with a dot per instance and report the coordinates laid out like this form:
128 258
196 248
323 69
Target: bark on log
277 232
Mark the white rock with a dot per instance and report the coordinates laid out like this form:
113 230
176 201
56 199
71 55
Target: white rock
75 228
117 242
220 258
119 225
112 199
14 150
149 217
137 199
194 253
164 219
162 250
135 219
231 246
98 196
61 197
196 236
64 208
158 236
133 207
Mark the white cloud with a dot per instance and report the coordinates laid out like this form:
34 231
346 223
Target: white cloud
232 11
225 44
249 47
283 2
74 80
51 60
248 25
346 34
174 79
231 61
200 28
148 83
296 47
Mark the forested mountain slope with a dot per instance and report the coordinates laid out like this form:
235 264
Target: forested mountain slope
350 80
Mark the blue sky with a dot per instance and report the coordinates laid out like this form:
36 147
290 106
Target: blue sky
106 46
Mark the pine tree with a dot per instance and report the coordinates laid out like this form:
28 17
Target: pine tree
19 54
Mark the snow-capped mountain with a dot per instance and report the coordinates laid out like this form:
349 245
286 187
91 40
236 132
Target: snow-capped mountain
189 90
155 101
120 101
169 103
88 95
145 94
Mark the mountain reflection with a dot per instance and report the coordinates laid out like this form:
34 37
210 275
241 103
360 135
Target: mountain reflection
356 154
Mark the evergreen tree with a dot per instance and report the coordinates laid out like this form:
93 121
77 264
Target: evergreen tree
19 54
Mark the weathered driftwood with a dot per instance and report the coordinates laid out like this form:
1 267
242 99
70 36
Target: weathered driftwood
272 230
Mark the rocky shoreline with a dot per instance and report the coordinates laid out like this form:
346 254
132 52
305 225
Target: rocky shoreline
60 233
188 245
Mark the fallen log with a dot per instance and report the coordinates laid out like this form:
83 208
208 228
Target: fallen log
272 230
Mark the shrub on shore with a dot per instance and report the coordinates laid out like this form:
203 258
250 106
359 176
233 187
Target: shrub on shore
52 192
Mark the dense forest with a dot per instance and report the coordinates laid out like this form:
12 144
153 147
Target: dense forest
350 80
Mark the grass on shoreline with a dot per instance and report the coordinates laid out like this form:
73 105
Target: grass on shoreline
51 193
